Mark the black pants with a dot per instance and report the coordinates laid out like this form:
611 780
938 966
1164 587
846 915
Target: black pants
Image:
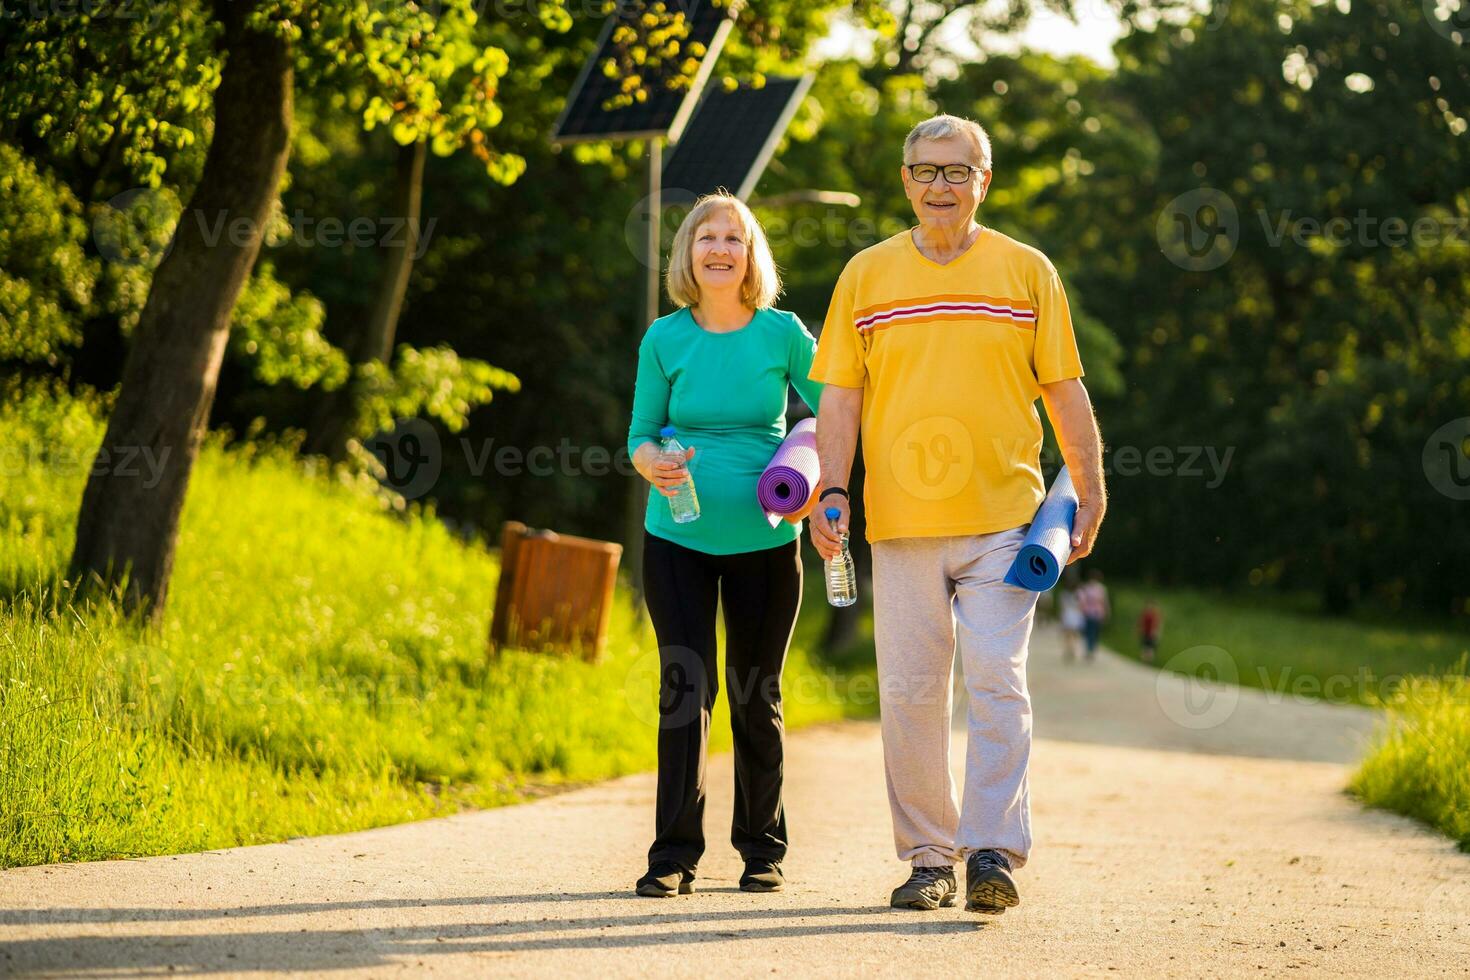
761 593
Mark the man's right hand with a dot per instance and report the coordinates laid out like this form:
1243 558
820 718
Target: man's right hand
838 418
827 535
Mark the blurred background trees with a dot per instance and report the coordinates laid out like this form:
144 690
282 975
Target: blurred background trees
1319 363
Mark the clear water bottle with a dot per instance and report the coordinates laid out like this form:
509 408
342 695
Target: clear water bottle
684 504
841 575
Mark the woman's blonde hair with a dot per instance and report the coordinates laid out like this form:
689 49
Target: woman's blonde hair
762 282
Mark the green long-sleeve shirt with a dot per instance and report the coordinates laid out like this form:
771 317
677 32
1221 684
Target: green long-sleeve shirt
725 395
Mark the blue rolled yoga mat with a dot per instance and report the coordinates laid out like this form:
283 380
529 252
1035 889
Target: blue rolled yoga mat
1048 544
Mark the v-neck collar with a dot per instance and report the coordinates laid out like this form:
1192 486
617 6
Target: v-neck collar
984 233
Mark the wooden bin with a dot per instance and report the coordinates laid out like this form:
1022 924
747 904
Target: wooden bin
555 592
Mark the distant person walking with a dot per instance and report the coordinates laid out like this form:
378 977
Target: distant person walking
1072 621
1093 600
1150 627
718 371
938 342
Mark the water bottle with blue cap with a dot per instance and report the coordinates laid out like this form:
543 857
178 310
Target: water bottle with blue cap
684 504
841 574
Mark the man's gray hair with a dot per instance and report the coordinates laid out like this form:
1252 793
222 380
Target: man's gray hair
943 127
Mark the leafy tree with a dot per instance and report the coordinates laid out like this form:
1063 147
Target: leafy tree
127 528
1323 360
46 277
467 80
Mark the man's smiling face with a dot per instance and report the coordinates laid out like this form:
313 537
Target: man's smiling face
941 205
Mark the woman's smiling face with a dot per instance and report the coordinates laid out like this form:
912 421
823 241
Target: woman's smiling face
720 252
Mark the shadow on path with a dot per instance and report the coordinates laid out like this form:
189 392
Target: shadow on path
368 946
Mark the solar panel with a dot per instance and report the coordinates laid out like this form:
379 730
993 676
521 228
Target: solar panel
732 137
599 108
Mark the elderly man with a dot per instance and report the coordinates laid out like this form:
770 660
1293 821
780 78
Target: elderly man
939 340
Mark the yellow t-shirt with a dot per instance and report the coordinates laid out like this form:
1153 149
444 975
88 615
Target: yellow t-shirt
950 359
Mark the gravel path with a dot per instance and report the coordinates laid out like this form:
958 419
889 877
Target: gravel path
1180 831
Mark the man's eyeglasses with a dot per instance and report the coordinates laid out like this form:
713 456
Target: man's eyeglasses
954 173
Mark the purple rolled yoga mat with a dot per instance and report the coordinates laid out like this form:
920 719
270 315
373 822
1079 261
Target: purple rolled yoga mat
791 474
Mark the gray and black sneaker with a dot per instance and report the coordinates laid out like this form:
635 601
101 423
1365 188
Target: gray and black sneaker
989 887
927 888
664 880
762 876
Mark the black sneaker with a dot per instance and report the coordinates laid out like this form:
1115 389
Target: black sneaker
664 880
762 876
989 887
927 888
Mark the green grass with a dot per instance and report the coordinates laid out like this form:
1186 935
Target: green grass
1282 645
322 667
1420 764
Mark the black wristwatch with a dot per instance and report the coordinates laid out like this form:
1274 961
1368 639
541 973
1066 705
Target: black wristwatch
832 490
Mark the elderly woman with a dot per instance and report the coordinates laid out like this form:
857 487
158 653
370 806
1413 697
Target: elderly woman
717 371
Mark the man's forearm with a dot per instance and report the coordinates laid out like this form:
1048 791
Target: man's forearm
1082 452
1070 410
838 416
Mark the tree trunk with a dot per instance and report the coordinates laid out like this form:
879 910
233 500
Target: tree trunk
338 413
128 524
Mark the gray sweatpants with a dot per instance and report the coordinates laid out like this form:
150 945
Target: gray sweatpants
929 596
